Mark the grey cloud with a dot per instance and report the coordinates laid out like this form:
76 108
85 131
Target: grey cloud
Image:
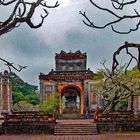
62 30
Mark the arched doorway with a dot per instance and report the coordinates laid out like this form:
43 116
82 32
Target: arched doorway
71 100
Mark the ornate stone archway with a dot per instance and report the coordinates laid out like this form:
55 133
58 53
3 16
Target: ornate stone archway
73 96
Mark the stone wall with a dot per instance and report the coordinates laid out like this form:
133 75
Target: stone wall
118 125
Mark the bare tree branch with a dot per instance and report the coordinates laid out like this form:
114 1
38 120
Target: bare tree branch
120 5
22 13
11 66
47 6
130 30
126 47
2 2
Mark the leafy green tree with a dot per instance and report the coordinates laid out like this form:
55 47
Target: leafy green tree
122 105
118 87
98 75
19 85
18 96
23 91
51 106
33 99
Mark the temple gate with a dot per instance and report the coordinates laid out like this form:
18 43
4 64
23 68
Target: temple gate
72 80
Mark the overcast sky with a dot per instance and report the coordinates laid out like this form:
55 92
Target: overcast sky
64 30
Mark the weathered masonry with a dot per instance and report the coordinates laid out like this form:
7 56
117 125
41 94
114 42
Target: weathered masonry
73 81
5 93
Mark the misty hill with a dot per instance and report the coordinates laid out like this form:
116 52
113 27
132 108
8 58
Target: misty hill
22 91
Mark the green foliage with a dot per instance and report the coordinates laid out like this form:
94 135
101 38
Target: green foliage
51 106
121 106
20 86
23 91
133 80
33 99
117 88
135 74
98 81
98 75
18 96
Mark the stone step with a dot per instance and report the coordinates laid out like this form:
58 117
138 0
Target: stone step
92 131
75 129
78 129
75 133
76 125
84 127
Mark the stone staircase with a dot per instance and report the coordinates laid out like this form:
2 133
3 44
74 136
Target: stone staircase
75 127
70 116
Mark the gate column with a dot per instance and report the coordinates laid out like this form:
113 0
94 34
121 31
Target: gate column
82 104
60 106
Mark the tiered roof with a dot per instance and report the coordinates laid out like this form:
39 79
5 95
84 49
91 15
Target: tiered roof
70 55
67 75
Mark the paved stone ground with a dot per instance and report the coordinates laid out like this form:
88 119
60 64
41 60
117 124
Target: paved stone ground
90 137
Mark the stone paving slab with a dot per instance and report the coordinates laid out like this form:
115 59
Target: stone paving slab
90 137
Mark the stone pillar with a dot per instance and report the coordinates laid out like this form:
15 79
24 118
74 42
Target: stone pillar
44 94
8 96
11 96
85 96
135 102
5 93
60 106
89 96
94 98
129 105
139 103
100 101
53 89
82 104
41 92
